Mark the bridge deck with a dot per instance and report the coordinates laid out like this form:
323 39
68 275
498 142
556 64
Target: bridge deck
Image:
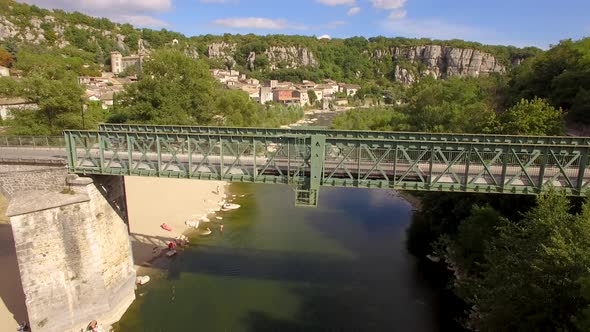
310 158
288 156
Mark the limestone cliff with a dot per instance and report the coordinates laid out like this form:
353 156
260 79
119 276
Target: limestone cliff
290 57
37 30
222 50
278 56
441 62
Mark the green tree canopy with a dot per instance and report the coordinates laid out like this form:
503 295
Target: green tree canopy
533 270
532 117
174 89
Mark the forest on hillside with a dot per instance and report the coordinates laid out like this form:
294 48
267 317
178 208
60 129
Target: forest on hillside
349 59
518 263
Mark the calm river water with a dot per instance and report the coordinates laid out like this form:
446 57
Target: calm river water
340 267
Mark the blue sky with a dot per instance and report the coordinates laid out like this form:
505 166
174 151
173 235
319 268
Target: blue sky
515 22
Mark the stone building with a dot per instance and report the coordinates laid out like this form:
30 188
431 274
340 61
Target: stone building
119 62
302 96
266 95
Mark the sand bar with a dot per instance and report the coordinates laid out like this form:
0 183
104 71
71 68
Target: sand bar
153 201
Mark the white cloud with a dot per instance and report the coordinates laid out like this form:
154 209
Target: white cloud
388 4
397 14
139 12
337 2
353 11
431 28
257 23
324 37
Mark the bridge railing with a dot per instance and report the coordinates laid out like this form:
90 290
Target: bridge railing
32 141
380 135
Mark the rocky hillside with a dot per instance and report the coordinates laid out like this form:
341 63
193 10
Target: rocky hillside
275 56
441 62
353 59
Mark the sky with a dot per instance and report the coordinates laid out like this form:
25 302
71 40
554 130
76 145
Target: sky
520 23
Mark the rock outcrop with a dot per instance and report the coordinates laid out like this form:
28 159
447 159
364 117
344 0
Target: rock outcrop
221 50
290 57
7 29
441 62
250 60
33 31
191 52
278 56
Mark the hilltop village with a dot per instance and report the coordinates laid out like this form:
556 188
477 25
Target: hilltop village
125 69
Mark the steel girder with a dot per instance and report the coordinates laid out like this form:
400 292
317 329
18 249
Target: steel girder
310 161
381 135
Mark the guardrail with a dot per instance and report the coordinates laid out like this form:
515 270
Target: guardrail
32 141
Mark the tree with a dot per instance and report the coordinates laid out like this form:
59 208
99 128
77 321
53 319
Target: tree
312 96
532 117
174 89
583 320
532 271
5 58
580 110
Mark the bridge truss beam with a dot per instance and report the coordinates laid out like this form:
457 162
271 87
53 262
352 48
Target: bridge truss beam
308 161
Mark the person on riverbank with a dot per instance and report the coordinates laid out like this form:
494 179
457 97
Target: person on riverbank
221 228
93 326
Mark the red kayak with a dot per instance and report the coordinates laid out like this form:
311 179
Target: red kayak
166 227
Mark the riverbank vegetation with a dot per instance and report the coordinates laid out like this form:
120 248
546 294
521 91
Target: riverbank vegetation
520 263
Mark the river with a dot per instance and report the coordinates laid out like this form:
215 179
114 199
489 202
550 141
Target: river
340 267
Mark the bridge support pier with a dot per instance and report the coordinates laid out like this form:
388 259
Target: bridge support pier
74 254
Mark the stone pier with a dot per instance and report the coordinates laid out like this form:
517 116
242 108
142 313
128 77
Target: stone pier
73 251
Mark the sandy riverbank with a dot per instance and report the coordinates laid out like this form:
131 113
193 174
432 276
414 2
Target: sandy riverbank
150 201
12 298
153 201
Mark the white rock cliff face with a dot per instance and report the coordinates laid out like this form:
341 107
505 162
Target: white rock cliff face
278 56
440 62
291 57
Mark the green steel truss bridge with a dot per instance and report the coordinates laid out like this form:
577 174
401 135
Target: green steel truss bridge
310 158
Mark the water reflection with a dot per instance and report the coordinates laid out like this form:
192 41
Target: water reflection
340 267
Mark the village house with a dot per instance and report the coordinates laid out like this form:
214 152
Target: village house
333 84
307 85
351 89
90 81
107 100
252 81
285 97
319 93
233 84
252 91
119 62
9 105
327 89
271 84
265 95
302 96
